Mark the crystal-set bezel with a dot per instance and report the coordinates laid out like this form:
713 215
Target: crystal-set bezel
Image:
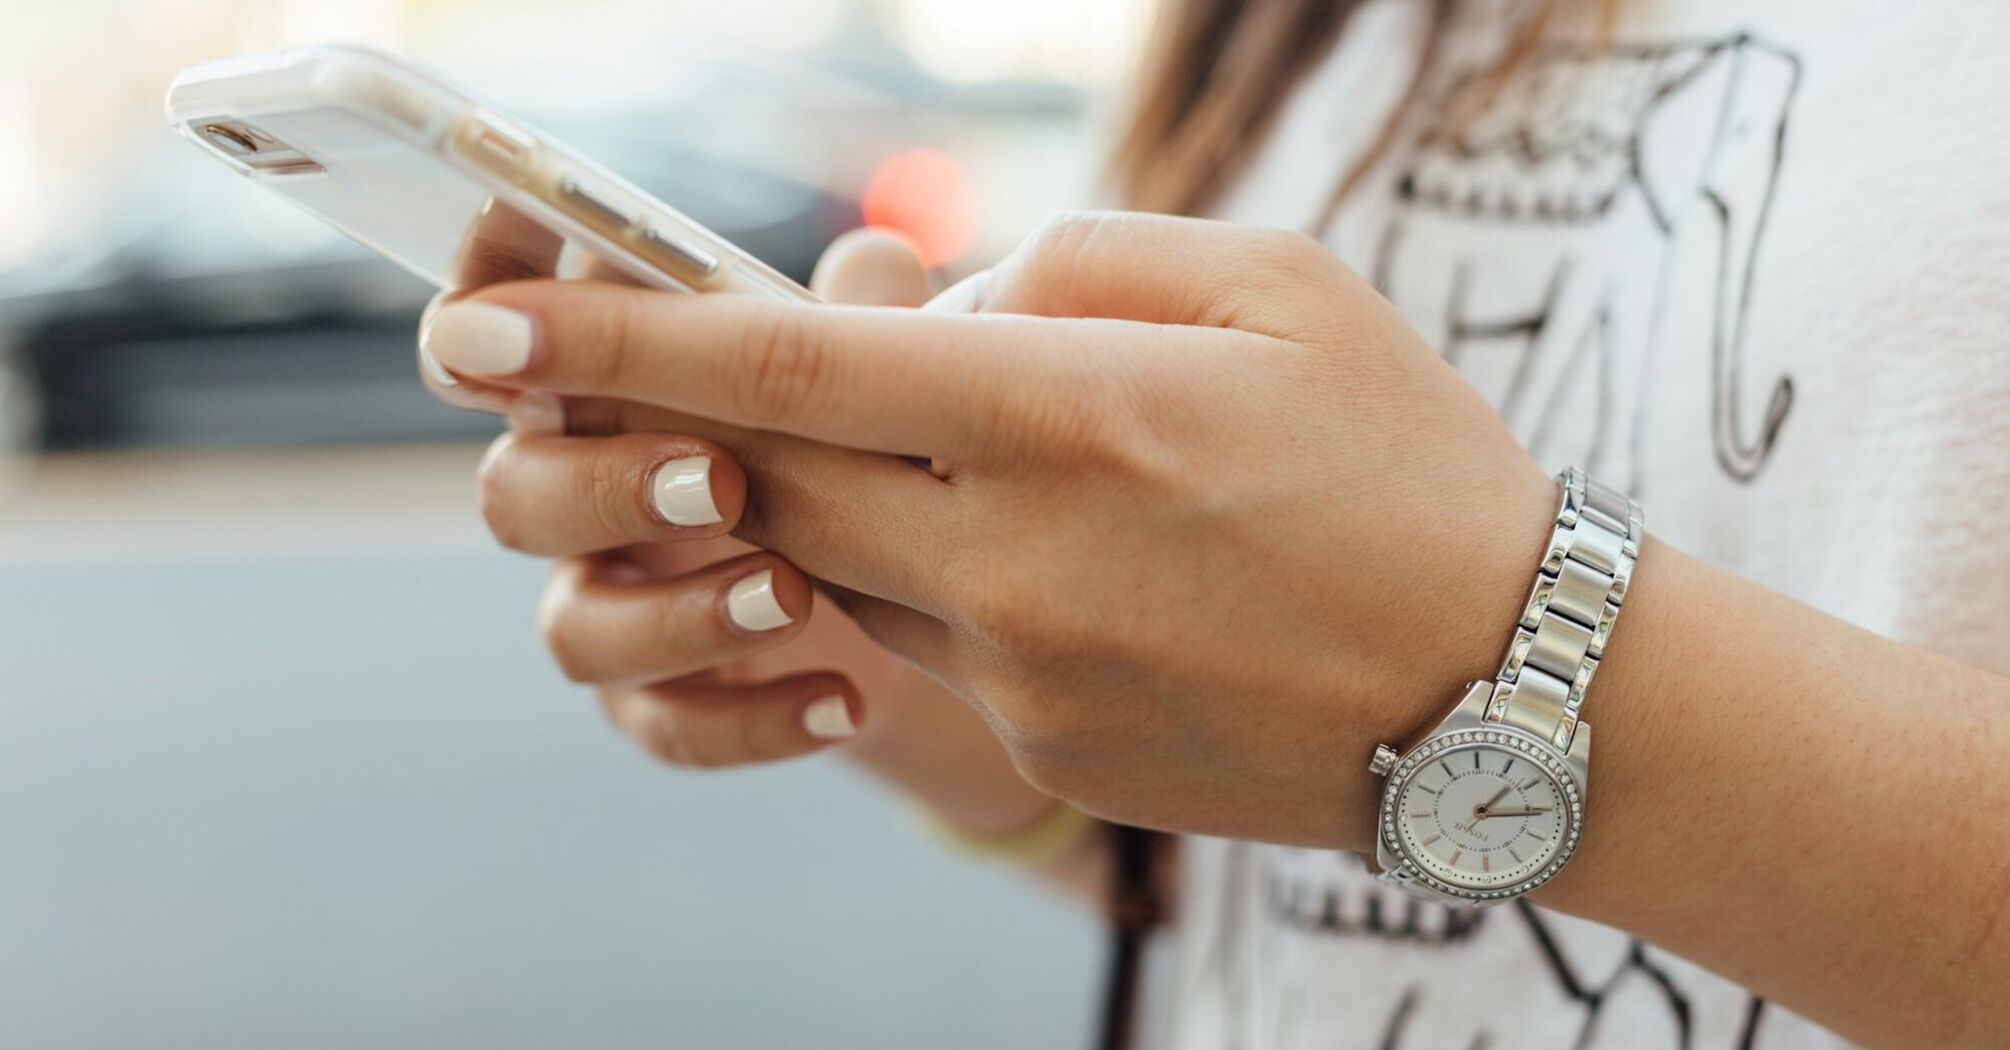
1520 744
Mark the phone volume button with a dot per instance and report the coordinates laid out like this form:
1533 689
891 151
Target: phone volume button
683 258
610 215
494 145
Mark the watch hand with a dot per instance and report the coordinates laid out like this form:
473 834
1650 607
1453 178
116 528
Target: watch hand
1481 809
1515 812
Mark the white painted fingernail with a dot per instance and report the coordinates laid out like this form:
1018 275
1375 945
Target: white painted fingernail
751 603
479 339
682 489
829 719
433 368
537 412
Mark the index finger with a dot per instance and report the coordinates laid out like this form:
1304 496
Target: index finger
900 381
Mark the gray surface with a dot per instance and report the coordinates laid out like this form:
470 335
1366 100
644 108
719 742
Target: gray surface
345 803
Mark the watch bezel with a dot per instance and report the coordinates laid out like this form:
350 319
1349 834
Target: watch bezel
1523 745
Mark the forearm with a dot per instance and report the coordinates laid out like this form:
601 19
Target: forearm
1801 806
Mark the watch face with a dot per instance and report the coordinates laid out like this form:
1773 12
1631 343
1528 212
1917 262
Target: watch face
1482 813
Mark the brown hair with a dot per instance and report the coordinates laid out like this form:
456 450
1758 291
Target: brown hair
1217 73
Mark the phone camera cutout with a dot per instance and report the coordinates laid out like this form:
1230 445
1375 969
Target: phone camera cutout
254 150
230 140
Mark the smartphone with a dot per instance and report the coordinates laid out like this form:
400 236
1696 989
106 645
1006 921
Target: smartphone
423 173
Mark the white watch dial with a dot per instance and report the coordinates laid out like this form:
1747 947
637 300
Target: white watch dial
1482 816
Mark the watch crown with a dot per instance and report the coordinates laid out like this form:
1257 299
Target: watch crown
1384 760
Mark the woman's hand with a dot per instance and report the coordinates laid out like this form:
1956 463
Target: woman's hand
707 651
1206 518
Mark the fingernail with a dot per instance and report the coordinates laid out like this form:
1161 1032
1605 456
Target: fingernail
433 367
479 339
751 603
829 719
537 412
683 492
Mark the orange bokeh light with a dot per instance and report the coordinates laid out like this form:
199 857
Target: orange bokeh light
930 197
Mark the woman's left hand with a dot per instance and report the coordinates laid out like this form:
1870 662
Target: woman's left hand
1203 518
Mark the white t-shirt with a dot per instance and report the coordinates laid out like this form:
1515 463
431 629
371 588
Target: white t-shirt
1751 262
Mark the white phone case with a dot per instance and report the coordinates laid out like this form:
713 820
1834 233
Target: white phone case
421 172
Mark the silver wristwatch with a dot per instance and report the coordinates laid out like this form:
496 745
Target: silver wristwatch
1489 803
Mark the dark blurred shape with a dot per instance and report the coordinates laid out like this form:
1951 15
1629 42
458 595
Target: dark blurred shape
171 364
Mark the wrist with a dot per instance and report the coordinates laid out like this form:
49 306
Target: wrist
1488 802
1486 571
1642 761
1470 597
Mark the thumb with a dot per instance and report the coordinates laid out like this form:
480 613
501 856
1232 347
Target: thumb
867 267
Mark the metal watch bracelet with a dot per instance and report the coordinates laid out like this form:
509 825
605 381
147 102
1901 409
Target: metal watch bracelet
1568 617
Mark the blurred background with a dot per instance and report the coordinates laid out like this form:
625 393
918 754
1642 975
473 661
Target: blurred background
281 760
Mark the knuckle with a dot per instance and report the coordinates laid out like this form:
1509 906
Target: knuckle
609 492
606 349
1052 254
668 627
781 365
1288 251
1062 235
1293 284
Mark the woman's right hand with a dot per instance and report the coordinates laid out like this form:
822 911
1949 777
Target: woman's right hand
704 650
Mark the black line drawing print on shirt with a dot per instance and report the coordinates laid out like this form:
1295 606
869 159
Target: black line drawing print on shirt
1547 181
1614 991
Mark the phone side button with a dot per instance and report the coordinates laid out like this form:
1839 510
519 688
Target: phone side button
595 208
691 265
493 145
